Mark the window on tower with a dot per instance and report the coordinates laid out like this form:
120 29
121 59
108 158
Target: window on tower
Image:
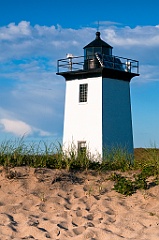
82 147
83 92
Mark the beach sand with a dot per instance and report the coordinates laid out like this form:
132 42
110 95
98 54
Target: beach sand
52 204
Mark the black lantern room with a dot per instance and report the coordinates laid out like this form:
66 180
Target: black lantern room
94 48
97 46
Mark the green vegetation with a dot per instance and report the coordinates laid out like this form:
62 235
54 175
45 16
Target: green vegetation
127 186
128 175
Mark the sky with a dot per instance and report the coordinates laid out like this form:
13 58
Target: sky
34 34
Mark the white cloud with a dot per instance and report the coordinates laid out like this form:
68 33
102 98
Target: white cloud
24 40
12 31
20 128
42 133
105 23
146 36
16 127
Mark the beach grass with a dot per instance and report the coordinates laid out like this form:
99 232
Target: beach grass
16 153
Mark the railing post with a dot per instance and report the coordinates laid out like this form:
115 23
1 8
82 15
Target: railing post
138 67
58 66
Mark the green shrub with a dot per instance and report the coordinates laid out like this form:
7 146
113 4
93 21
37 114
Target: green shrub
126 186
123 185
140 181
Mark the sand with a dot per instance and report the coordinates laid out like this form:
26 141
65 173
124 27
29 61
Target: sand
51 204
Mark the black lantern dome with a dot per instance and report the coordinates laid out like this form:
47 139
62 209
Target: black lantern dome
97 46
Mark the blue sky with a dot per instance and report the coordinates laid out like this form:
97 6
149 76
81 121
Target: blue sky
35 33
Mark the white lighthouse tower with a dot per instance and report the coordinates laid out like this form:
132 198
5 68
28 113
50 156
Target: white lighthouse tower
97 101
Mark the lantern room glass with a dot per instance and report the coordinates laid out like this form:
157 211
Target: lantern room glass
89 53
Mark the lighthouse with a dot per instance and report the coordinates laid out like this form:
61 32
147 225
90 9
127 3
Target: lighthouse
97 113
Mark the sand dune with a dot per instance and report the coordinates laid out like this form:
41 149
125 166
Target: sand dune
51 204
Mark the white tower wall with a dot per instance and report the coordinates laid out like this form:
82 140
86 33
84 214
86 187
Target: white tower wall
104 121
83 120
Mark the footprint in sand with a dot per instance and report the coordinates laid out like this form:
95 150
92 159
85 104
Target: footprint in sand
78 194
33 221
79 230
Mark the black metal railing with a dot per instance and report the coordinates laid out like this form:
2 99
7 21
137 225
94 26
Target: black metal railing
97 61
